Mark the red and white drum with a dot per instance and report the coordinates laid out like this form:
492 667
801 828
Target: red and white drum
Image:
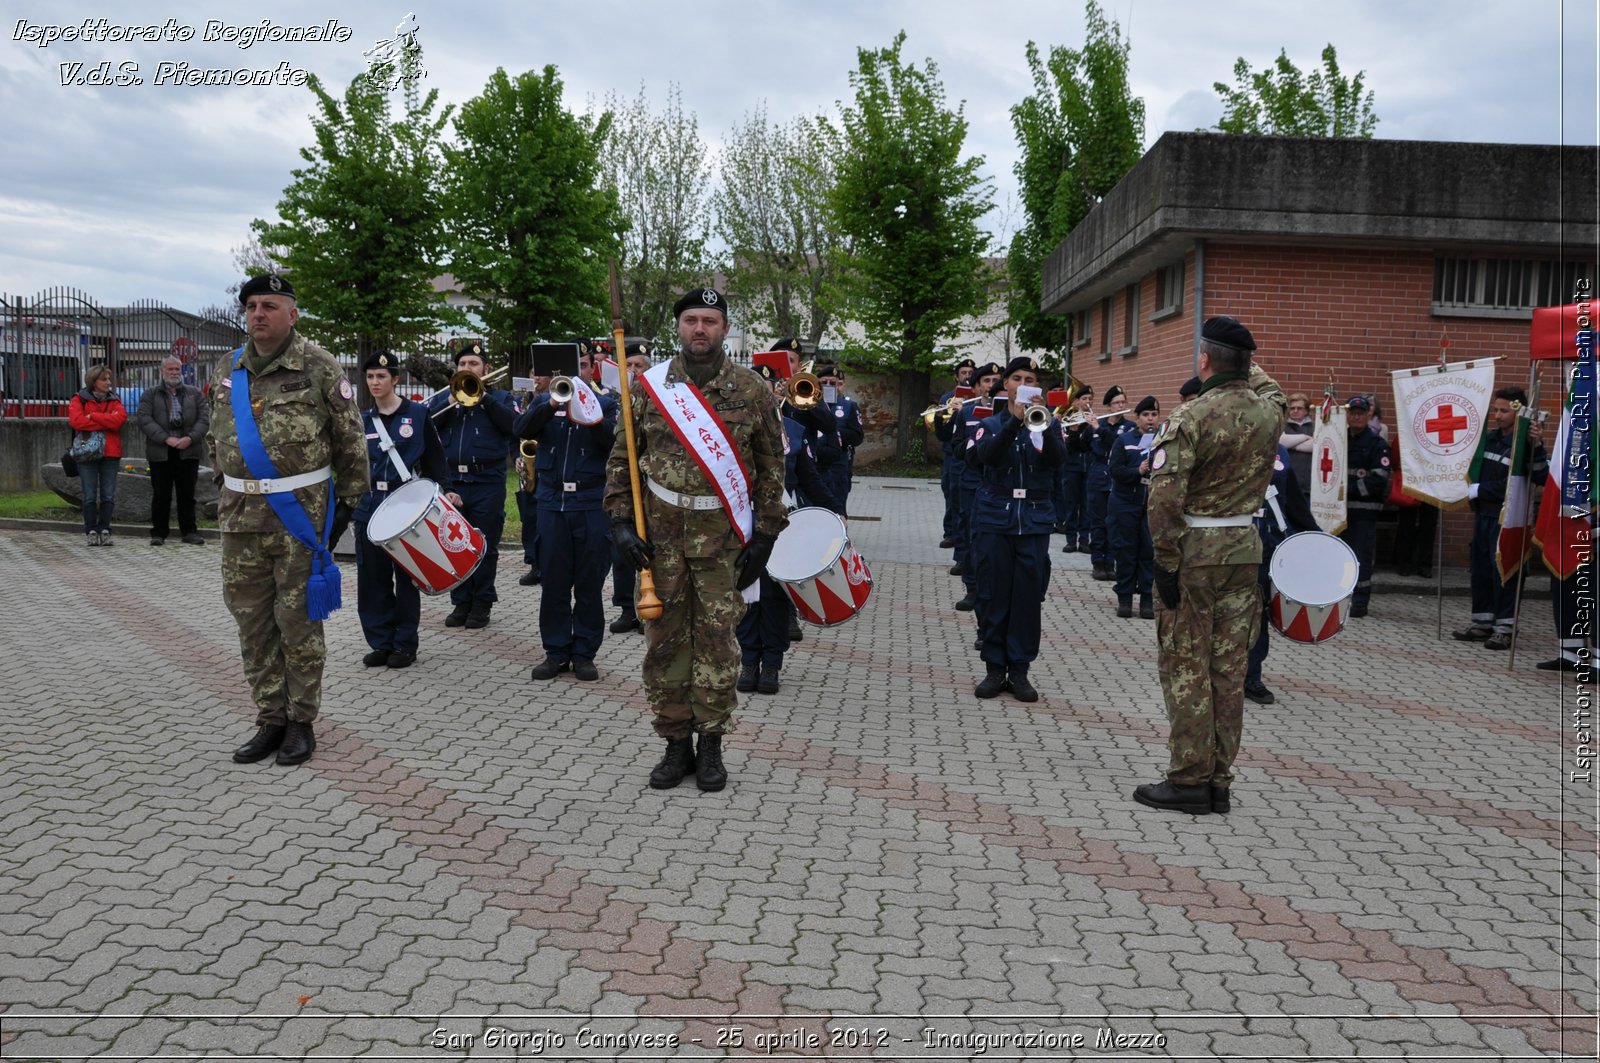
1313 578
825 577
427 536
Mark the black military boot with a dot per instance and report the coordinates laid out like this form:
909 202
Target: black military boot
1219 799
709 774
795 634
1021 689
298 744
1125 608
530 578
478 615
458 615
1172 797
267 740
967 604
768 683
1147 610
992 683
376 659
746 683
1103 572
675 764
548 668
626 621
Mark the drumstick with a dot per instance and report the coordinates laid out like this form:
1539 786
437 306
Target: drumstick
649 605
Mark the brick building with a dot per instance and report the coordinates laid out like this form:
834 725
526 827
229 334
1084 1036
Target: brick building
1345 258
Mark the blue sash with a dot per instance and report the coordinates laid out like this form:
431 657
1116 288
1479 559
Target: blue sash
322 589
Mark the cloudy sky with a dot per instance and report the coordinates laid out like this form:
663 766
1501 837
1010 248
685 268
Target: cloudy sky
141 191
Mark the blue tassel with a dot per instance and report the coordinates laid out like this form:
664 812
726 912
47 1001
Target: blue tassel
322 589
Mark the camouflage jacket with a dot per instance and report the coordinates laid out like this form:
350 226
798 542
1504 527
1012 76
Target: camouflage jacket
1213 458
744 403
306 413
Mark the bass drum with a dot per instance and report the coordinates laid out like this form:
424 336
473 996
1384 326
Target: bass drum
427 536
826 577
1313 576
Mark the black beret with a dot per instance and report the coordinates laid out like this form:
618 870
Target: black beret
1021 361
966 363
786 344
1147 403
1190 387
382 360
767 373
709 298
585 347
986 369
1228 332
636 349
1113 392
829 370
266 284
469 347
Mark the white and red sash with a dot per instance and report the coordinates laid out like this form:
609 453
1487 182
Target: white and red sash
705 437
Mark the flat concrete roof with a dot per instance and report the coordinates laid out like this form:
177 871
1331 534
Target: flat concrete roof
1532 199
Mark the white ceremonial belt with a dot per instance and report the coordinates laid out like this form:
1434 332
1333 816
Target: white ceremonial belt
1243 520
682 501
278 485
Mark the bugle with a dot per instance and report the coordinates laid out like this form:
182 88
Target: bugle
468 388
1036 418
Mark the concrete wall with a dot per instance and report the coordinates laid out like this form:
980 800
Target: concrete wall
28 443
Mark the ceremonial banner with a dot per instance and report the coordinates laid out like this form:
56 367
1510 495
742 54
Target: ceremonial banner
1440 413
1565 527
1330 441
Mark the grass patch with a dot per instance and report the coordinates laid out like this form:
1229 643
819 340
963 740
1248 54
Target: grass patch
899 470
37 505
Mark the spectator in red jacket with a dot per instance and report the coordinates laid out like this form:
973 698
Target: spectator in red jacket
98 409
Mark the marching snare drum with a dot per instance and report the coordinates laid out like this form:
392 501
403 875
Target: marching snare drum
1313 577
826 578
427 536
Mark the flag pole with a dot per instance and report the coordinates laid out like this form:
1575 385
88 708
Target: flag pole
1527 508
1438 523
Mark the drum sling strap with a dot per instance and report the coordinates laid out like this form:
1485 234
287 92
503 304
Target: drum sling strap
322 588
387 446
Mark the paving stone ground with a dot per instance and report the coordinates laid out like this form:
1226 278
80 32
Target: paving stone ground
472 867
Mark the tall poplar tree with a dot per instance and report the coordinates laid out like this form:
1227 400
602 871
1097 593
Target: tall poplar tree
1283 101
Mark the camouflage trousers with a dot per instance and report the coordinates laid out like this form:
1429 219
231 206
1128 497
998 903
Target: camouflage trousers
1204 652
691 659
264 585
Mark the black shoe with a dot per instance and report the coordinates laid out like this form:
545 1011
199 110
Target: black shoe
1084 547
977 643
478 616
194 538
583 668
1146 610
1070 548
262 746
156 540
966 604
1471 633
1557 664
529 578
402 659
1357 611
675 764
946 543
1125 608
376 659
1498 642
1021 689
992 684
1258 693
1195 800
746 683
1103 573
298 744
1219 800
628 621
458 615
1403 570
768 683
548 668
709 774
958 569
795 634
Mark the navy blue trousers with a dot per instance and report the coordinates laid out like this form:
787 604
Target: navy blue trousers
387 600
1072 506
949 483
1361 535
1096 500
1493 602
1131 547
528 512
484 506
1013 575
764 629
966 499
574 555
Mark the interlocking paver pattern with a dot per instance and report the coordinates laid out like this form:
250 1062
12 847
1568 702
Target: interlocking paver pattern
897 870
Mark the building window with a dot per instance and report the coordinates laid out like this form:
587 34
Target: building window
1105 328
1130 320
1504 287
1082 328
1169 292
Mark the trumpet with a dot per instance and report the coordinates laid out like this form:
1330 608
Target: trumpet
467 388
561 389
1036 418
949 407
805 391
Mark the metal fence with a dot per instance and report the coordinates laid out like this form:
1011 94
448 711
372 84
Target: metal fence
49 340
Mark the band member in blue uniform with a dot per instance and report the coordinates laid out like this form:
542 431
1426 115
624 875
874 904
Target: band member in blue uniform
1012 518
478 444
848 417
574 539
1129 468
1098 490
1284 513
401 443
623 574
1367 486
950 469
959 430
1072 490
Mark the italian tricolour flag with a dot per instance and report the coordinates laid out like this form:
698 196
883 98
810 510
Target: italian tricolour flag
1516 513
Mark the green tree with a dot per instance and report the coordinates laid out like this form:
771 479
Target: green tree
911 204
772 209
532 222
1283 101
1080 132
360 227
659 169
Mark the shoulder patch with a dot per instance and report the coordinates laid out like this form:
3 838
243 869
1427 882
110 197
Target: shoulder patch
1384 461
978 434
346 392
1158 459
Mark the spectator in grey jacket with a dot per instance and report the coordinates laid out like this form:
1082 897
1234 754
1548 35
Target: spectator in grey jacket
173 417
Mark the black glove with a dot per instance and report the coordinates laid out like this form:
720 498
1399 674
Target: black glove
342 512
1167 587
634 550
753 558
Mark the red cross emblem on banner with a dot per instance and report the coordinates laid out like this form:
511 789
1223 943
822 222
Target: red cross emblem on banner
1326 466
1445 424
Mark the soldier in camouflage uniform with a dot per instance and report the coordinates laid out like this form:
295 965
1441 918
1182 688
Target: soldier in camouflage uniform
1210 464
305 410
692 658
